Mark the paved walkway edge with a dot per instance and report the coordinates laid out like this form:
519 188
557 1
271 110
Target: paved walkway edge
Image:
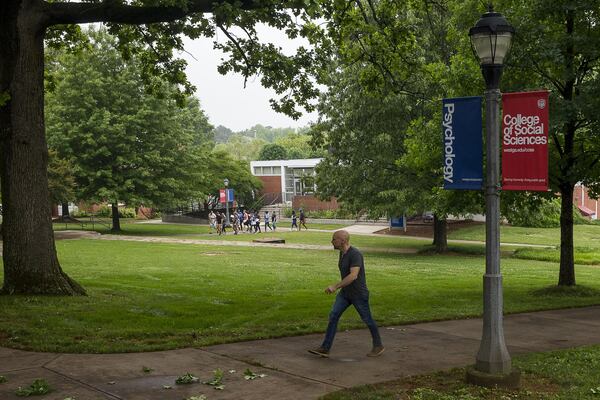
290 371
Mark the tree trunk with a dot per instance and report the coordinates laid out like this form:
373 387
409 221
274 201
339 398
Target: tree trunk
567 258
65 209
30 262
566 275
440 237
116 223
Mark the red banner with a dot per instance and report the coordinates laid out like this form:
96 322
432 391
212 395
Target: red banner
222 197
525 141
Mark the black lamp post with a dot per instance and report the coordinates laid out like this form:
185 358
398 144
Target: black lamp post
491 39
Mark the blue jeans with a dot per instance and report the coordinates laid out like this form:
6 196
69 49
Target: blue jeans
339 306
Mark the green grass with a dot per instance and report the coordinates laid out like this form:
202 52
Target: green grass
583 255
130 228
136 228
324 238
584 235
150 296
586 239
558 375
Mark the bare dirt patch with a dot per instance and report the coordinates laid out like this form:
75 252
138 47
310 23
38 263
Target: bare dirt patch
452 382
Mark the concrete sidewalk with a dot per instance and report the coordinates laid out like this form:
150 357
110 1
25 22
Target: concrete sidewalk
291 373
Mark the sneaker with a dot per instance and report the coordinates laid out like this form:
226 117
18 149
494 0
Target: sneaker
376 351
319 351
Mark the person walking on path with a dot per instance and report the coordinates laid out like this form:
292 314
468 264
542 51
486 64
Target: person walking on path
353 292
219 222
274 220
246 221
224 223
267 221
257 221
294 221
212 219
235 223
302 220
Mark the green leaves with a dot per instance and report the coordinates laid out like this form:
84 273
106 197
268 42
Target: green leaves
250 376
217 381
37 388
186 379
124 144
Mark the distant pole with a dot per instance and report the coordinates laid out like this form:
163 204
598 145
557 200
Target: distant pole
226 182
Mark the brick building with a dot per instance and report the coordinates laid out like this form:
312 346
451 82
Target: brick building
587 206
291 182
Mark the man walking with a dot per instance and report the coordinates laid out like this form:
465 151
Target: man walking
353 292
267 221
302 220
212 219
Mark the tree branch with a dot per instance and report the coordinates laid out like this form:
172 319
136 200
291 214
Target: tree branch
240 50
109 11
557 144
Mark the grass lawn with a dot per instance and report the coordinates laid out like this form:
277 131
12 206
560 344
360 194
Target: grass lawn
131 228
302 237
323 238
149 296
136 228
572 374
586 241
583 235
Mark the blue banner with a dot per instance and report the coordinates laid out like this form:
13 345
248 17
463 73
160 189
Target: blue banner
229 194
463 143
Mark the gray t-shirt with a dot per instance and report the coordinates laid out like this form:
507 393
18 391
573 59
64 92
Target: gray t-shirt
358 288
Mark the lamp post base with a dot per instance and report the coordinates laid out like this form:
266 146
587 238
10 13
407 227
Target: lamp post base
512 380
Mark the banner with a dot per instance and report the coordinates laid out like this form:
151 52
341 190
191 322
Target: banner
225 195
463 143
525 141
229 195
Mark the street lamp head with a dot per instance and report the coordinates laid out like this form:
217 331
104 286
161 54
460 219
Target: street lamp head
226 182
491 38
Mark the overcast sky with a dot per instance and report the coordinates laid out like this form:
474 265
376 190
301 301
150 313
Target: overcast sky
224 98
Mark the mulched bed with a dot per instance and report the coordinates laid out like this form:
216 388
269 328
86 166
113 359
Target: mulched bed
425 229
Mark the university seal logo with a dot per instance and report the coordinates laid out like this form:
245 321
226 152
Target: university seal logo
541 103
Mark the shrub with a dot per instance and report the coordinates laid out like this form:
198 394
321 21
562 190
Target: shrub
321 214
124 212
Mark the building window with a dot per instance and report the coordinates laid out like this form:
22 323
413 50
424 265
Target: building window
270 171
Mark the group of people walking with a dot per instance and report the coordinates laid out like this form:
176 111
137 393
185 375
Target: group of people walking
241 221
250 221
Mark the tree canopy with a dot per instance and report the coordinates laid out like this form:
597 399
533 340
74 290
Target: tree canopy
153 31
379 115
557 47
272 151
126 145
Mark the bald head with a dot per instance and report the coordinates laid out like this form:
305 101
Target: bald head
340 239
342 234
